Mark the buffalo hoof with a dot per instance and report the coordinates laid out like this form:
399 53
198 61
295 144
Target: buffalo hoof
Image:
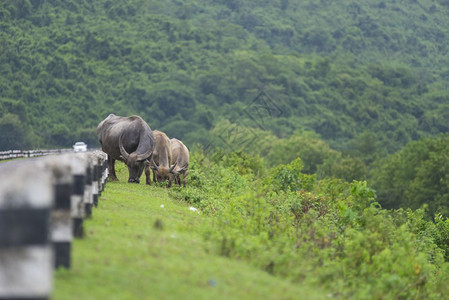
131 180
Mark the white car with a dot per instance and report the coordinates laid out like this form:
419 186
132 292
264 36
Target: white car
80 147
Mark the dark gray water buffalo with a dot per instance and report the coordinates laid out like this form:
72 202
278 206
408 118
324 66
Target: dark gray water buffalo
180 166
162 158
128 139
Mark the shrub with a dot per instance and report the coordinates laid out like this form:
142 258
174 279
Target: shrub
328 233
290 178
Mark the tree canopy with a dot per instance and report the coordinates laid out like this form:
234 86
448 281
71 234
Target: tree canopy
339 69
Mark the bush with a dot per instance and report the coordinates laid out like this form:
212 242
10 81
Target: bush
328 233
290 178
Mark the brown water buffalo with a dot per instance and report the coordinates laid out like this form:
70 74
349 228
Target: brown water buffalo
180 165
128 139
162 158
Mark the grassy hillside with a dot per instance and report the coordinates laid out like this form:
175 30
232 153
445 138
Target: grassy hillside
261 233
141 244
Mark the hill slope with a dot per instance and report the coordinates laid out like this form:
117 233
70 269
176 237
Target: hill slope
261 233
136 249
342 69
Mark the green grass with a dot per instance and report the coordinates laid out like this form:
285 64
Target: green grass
136 249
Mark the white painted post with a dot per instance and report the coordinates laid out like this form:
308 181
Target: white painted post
98 158
26 259
88 196
61 222
105 172
95 182
78 212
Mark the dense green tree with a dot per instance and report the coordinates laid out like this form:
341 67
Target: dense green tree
414 176
13 134
312 151
161 60
343 167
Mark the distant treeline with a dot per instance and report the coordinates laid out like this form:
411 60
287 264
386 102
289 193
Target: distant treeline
343 70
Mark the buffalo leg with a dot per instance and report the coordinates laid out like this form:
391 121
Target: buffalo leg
111 167
177 180
184 177
148 175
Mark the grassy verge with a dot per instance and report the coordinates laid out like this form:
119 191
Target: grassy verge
141 244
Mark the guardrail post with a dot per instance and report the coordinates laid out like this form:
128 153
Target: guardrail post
105 172
62 225
26 260
95 175
88 197
78 210
98 158
42 206
61 220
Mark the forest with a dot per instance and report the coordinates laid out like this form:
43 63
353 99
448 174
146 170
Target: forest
357 90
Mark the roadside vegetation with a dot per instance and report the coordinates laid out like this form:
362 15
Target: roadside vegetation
305 236
143 244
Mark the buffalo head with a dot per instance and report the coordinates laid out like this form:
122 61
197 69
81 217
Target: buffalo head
162 173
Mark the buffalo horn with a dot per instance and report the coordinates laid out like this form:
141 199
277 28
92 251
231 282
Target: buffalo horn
146 155
122 149
172 167
154 167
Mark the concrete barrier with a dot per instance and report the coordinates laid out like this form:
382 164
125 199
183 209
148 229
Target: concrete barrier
26 256
13 154
43 202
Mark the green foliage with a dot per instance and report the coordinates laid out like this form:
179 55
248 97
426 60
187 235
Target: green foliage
347 168
290 178
335 69
312 150
415 175
326 233
441 234
240 162
316 156
13 135
206 190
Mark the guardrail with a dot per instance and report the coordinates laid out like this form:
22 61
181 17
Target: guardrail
43 202
13 154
